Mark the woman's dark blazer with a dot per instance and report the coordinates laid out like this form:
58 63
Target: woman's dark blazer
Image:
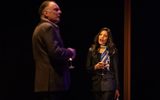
109 81
50 56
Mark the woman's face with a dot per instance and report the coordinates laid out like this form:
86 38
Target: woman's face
103 37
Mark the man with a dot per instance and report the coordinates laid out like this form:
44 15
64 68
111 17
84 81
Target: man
52 77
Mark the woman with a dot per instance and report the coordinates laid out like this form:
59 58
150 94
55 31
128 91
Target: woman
102 66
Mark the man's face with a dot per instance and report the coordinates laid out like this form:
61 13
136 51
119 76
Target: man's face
52 12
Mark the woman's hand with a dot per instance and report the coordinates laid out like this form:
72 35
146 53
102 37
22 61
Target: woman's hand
117 94
100 65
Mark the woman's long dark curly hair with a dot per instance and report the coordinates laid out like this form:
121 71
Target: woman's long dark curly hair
111 46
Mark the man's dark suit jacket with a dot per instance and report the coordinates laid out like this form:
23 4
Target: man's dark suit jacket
50 56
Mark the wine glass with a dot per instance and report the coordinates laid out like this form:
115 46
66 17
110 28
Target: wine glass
70 60
102 70
105 68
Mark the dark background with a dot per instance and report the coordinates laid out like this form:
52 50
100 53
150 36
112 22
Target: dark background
145 50
80 22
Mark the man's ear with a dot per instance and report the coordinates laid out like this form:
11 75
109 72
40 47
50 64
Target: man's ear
45 13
